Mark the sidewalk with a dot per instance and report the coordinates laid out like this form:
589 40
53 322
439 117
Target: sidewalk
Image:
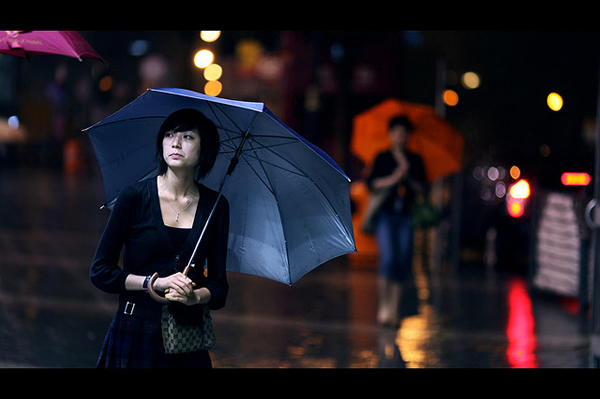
52 316
328 320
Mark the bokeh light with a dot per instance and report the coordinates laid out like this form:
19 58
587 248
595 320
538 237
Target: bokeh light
106 83
213 72
554 101
203 58
14 122
450 98
470 80
210 35
213 88
515 172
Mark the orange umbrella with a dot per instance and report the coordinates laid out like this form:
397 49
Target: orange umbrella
435 140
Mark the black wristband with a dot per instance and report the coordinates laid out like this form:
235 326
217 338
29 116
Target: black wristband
145 285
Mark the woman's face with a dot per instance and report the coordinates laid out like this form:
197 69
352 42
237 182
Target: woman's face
181 149
398 135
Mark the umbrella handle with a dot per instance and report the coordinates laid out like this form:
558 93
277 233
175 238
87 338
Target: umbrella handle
153 293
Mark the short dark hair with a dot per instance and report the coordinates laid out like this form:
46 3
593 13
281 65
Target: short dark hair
184 120
401 120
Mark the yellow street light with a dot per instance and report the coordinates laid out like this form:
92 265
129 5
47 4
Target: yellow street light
213 72
554 101
210 35
470 80
203 58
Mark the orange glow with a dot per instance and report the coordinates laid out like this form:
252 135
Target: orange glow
213 88
575 179
520 330
105 83
515 172
450 98
515 208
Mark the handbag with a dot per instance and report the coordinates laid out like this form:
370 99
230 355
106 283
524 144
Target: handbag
183 338
376 200
424 215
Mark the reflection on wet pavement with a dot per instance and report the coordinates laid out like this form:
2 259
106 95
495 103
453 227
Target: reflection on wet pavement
52 316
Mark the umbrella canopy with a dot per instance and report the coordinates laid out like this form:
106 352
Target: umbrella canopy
289 201
27 44
435 140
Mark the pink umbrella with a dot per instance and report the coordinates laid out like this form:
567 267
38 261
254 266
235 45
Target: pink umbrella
27 44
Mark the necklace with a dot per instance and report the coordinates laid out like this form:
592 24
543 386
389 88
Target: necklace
172 207
175 210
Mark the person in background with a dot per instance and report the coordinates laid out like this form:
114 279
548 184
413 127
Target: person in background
399 176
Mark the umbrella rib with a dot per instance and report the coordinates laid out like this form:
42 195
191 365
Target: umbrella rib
214 107
303 174
255 157
295 169
268 185
232 148
271 189
103 124
251 153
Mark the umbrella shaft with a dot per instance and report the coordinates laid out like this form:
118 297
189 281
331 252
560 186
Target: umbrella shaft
233 163
210 215
238 151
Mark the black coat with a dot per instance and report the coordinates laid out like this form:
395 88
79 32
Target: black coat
136 227
407 190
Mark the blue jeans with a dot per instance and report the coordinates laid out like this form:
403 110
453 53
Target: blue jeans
394 234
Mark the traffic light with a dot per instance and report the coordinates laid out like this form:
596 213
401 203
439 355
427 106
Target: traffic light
575 179
517 197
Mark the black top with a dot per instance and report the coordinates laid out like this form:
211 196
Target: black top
178 236
402 197
136 227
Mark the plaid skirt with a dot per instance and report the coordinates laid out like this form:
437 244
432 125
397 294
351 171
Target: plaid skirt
134 342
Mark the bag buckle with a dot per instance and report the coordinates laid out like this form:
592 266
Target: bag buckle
129 306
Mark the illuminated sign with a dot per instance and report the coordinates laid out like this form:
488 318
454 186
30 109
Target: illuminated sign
575 179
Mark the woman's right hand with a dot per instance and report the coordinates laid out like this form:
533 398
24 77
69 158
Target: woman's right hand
178 282
393 179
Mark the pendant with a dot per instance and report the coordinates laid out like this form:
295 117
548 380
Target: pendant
177 217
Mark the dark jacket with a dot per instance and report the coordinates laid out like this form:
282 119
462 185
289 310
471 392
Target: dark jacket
402 197
136 227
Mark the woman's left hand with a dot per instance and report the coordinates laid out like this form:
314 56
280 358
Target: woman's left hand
198 296
182 297
177 287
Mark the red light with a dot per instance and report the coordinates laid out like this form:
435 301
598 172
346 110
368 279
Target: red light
575 179
515 200
515 208
520 330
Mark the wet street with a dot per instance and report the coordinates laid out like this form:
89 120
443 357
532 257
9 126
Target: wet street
52 316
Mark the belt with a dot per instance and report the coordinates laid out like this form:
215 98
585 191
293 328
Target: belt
132 309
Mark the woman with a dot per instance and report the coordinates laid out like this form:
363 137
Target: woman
157 222
398 175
